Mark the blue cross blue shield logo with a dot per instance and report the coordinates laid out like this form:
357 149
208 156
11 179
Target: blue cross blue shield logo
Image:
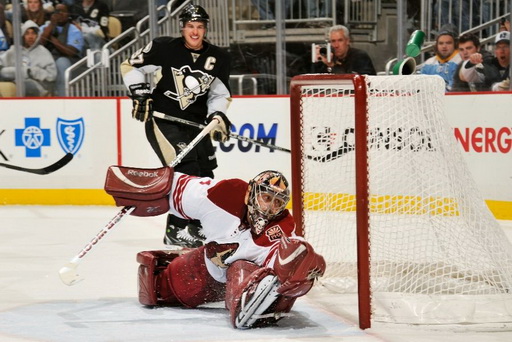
70 134
33 137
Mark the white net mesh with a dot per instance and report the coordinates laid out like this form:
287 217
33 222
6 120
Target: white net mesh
431 233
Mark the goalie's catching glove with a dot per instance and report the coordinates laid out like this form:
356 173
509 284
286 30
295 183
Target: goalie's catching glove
221 131
142 102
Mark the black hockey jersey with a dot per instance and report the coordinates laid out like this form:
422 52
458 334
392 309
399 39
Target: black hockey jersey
193 83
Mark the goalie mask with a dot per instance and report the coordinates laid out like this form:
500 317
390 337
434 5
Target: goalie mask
267 198
193 13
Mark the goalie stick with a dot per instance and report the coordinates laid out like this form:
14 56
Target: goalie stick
45 170
68 273
324 158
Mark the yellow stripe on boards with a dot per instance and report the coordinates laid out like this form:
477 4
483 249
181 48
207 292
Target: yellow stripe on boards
55 196
502 210
412 205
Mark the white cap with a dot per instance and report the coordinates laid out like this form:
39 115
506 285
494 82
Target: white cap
503 35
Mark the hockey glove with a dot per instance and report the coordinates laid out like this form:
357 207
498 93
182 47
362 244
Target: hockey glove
142 102
223 128
297 266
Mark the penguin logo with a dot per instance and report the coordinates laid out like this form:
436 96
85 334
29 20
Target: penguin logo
190 84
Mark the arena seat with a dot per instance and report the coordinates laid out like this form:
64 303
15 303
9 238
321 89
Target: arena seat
7 89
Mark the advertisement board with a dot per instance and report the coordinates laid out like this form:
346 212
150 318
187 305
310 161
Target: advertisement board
35 133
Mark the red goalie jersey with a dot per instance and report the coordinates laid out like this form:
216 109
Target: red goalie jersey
252 258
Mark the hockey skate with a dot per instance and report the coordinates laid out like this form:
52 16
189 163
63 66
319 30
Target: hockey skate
183 236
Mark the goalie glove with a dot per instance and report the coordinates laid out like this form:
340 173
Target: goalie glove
221 131
142 102
297 266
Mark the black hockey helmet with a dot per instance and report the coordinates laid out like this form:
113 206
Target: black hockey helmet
193 13
269 193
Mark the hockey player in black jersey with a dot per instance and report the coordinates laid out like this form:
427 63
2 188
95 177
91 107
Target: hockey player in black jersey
193 84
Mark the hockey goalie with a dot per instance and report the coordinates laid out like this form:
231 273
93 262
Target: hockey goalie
251 257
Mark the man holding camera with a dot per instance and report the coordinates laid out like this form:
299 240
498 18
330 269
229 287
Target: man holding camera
344 59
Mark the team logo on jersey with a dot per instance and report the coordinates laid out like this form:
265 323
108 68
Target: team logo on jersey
274 233
190 84
218 253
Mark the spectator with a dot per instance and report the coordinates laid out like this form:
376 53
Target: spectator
446 59
65 41
34 10
39 69
469 44
92 16
491 73
344 58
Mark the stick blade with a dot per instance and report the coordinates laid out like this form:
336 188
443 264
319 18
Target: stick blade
69 275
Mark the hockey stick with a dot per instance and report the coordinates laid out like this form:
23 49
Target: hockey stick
68 273
324 158
233 135
45 170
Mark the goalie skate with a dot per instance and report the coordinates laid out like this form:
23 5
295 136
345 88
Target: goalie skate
254 308
188 236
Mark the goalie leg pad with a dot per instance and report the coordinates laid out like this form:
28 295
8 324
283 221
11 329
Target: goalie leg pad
237 274
188 279
252 298
152 263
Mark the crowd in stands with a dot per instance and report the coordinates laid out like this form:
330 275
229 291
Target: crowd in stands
66 29
459 60
465 66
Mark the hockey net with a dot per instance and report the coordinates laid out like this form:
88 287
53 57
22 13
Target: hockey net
386 195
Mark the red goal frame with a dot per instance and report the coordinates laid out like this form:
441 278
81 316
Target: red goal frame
361 170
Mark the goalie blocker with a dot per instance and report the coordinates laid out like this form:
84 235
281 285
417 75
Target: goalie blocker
255 296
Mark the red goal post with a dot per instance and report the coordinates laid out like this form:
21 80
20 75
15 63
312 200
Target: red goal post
381 190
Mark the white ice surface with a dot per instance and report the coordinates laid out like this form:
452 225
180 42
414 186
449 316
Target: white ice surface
36 241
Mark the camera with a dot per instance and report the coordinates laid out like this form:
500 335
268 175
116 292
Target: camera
325 51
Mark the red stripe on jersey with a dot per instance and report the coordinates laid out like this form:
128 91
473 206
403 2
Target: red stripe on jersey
177 196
